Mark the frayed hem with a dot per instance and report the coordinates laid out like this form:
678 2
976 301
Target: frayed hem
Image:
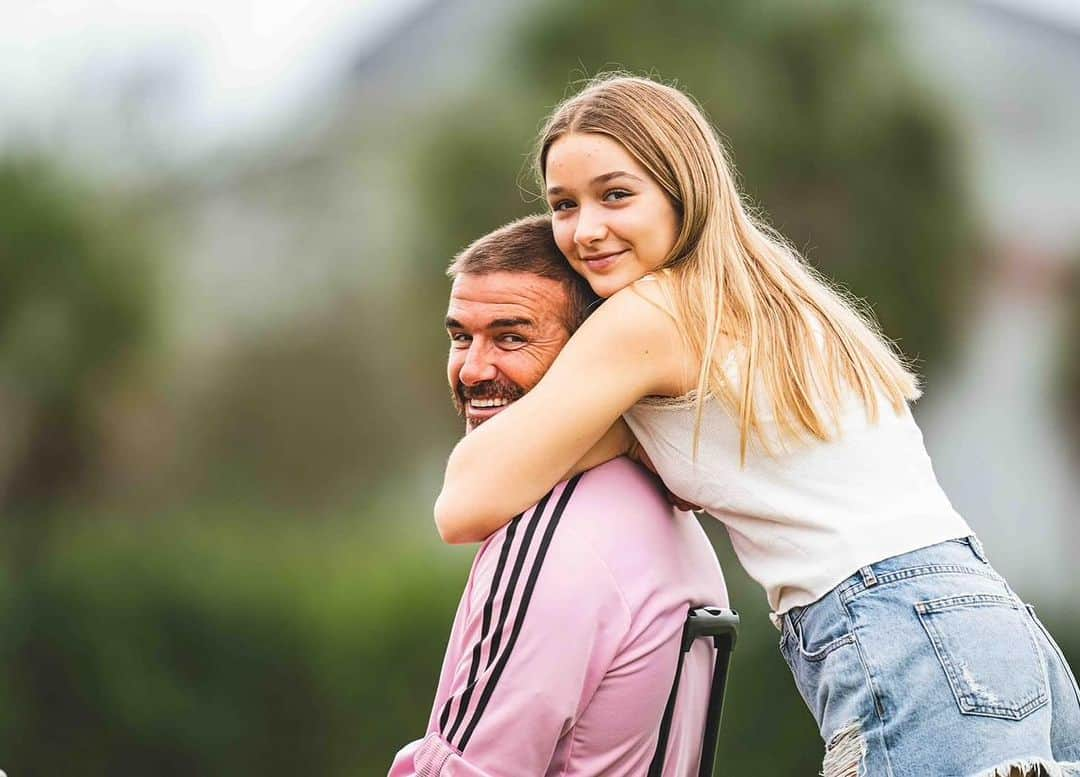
1033 767
845 752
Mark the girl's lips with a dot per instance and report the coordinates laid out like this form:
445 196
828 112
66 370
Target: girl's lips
603 262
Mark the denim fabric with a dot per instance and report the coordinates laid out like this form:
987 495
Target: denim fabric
938 665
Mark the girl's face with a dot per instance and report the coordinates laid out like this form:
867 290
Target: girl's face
611 218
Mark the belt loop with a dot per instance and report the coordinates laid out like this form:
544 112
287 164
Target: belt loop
868 577
977 548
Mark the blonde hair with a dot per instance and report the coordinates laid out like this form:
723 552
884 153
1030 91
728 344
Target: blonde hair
730 275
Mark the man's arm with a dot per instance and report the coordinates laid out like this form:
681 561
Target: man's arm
544 622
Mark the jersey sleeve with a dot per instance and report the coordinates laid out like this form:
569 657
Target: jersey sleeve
540 631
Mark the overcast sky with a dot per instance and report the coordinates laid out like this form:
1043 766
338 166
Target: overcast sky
224 66
219 67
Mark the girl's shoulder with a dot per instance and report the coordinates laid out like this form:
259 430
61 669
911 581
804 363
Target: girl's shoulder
654 287
655 290
641 318
641 309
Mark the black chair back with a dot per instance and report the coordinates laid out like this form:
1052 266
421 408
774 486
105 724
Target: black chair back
722 626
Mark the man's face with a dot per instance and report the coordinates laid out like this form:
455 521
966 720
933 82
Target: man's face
505 330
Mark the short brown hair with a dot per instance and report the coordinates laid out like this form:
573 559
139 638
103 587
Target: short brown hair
528 246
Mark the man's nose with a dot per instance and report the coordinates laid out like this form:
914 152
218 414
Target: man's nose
591 226
478 365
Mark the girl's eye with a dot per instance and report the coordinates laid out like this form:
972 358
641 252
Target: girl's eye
562 205
615 195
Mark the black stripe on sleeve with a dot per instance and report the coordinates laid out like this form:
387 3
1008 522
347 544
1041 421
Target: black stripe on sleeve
526 596
508 597
474 667
519 563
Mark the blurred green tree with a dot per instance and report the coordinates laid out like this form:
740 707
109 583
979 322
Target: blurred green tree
320 411
75 306
220 648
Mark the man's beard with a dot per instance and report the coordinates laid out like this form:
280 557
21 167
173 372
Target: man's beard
489 389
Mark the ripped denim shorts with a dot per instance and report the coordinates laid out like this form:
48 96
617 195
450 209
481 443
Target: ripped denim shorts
926 664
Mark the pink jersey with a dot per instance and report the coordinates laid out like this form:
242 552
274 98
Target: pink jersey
564 646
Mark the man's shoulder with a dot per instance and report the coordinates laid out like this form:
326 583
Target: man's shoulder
556 548
614 511
591 537
592 510
616 491
619 484
618 505
617 522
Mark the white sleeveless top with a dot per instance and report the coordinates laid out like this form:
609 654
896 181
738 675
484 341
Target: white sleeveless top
803 520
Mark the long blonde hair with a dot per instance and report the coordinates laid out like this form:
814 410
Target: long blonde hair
730 275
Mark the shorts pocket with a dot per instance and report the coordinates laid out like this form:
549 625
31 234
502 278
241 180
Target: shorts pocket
821 652
815 642
988 653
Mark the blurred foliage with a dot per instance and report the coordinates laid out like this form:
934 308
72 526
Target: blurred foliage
311 412
842 151
221 649
75 305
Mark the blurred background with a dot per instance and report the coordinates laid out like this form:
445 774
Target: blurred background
223 411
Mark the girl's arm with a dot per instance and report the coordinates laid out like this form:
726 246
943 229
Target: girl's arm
627 349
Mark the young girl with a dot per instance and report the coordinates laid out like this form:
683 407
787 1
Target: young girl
760 393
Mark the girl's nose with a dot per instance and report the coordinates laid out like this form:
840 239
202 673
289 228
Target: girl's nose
591 226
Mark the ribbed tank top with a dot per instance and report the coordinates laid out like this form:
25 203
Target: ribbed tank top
804 519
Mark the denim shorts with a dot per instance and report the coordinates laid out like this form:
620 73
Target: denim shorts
927 663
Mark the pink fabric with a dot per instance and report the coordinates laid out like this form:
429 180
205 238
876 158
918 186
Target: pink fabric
564 645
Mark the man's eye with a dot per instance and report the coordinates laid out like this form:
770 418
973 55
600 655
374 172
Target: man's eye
615 195
460 339
512 340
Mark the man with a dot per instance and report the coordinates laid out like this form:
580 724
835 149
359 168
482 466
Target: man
564 647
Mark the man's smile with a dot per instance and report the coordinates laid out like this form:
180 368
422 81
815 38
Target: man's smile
488 402
479 410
